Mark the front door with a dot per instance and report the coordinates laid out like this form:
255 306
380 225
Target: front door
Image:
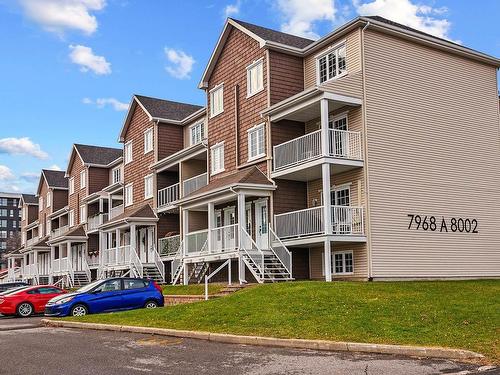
142 245
338 139
76 257
341 214
229 229
261 224
218 233
249 226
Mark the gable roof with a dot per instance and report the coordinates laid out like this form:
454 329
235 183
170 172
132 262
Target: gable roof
98 155
161 110
54 179
142 213
29 199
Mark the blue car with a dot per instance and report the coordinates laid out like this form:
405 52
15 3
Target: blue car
114 294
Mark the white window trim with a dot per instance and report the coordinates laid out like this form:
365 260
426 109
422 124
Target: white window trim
83 213
217 145
323 54
148 130
256 128
215 88
131 185
71 184
48 199
40 204
152 182
343 262
340 116
191 127
83 179
249 67
125 152
71 218
119 168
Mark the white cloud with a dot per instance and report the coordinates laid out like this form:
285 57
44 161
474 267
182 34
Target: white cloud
420 17
85 57
102 102
30 176
21 146
55 167
181 63
300 15
6 173
59 15
232 9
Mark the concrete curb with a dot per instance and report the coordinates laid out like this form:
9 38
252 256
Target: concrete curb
411 351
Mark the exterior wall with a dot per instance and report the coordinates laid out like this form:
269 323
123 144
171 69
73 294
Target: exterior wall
289 196
352 83
316 259
44 212
59 199
98 179
286 76
170 139
239 52
165 179
355 177
198 220
286 130
168 223
185 130
354 119
138 168
426 158
32 215
110 173
75 199
193 167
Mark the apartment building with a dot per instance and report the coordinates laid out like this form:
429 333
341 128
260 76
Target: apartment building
9 224
346 158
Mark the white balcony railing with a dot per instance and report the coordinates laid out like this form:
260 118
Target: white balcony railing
194 183
58 232
168 195
117 256
32 241
93 260
60 265
169 246
115 211
195 242
224 239
346 220
95 222
341 144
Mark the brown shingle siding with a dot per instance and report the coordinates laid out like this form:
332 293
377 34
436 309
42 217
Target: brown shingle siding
170 139
98 179
286 76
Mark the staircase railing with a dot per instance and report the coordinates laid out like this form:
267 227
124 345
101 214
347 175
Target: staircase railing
71 274
281 252
34 273
255 254
157 261
86 268
177 264
136 263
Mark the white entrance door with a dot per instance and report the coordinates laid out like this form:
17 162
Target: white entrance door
218 232
249 226
261 224
341 214
229 229
142 246
76 257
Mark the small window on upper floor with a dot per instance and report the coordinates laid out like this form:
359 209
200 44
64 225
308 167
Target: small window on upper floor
256 142
148 186
148 140
117 175
71 185
331 64
71 218
196 133
83 179
127 152
217 100
129 195
217 158
83 213
40 204
255 78
49 199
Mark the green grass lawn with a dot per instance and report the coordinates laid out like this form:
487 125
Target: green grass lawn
193 289
457 314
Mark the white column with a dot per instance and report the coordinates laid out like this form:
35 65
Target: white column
133 238
185 231
324 126
51 264
211 225
328 261
327 201
118 239
241 217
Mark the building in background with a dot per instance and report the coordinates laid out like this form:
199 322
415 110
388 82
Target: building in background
9 224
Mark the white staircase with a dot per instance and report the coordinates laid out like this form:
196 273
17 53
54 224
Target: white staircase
80 279
198 272
151 271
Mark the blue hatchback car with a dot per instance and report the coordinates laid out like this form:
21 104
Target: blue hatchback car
114 294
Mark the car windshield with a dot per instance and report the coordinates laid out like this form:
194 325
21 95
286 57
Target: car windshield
88 287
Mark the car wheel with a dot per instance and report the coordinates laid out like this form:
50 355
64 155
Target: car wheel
151 305
79 310
24 309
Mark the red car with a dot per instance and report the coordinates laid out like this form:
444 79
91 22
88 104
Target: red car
28 301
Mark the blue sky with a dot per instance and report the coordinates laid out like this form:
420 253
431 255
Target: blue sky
68 68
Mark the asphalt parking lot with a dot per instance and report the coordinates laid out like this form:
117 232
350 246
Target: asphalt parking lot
70 351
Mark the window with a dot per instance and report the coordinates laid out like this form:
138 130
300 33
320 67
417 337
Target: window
217 158
71 218
332 64
217 100
3 202
128 152
3 212
48 290
117 175
343 263
14 224
3 234
42 233
11 213
109 286
129 199
40 203
3 245
47 228
134 284
148 186
3 223
341 196
71 185
49 199
256 144
83 179
83 213
148 140
255 82
196 133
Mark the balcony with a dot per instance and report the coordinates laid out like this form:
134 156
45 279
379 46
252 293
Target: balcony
346 221
117 256
115 211
169 246
32 241
194 183
60 265
94 222
343 148
58 232
167 196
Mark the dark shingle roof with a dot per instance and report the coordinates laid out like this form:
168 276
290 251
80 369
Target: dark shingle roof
166 109
143 212
97 154
55 179
275 36
30 199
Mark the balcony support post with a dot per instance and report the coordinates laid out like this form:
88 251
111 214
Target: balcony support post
327 201
211 225
51 264
242 225
328 260
185 231
324 112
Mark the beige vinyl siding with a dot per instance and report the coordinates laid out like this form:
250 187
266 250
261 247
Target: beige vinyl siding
433 149
352 83
354 119
316 259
